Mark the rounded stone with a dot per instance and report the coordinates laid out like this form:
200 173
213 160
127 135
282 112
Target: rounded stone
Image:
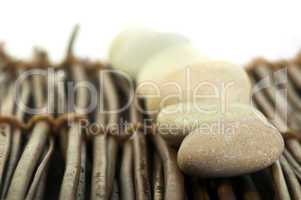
169 60
230 145
132 48
176 121
209 82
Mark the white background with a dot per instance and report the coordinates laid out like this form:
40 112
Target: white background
233 30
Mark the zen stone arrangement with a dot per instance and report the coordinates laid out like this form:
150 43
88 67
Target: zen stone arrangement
160 120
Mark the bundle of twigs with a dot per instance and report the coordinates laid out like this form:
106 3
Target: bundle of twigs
277 94
45 154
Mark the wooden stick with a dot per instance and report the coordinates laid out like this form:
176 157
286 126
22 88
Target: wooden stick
126 172
81 190
42 186
5 133
73 157
173 177
293 163
279 182
141 173
16 139
113 106
72 171
291 179
158 178
99 180
142 184
33 150
40 172
295 74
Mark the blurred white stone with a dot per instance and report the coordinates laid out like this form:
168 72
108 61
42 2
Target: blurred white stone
132 48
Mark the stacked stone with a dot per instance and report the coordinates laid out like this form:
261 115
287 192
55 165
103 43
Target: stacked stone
203 104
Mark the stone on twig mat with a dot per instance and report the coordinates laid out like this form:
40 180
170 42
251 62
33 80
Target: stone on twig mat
208 82
176 121
169 60
132 48
230 144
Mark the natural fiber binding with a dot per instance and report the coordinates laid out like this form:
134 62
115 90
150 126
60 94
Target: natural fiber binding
257 62
62 120
280 64
13 121
55 123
